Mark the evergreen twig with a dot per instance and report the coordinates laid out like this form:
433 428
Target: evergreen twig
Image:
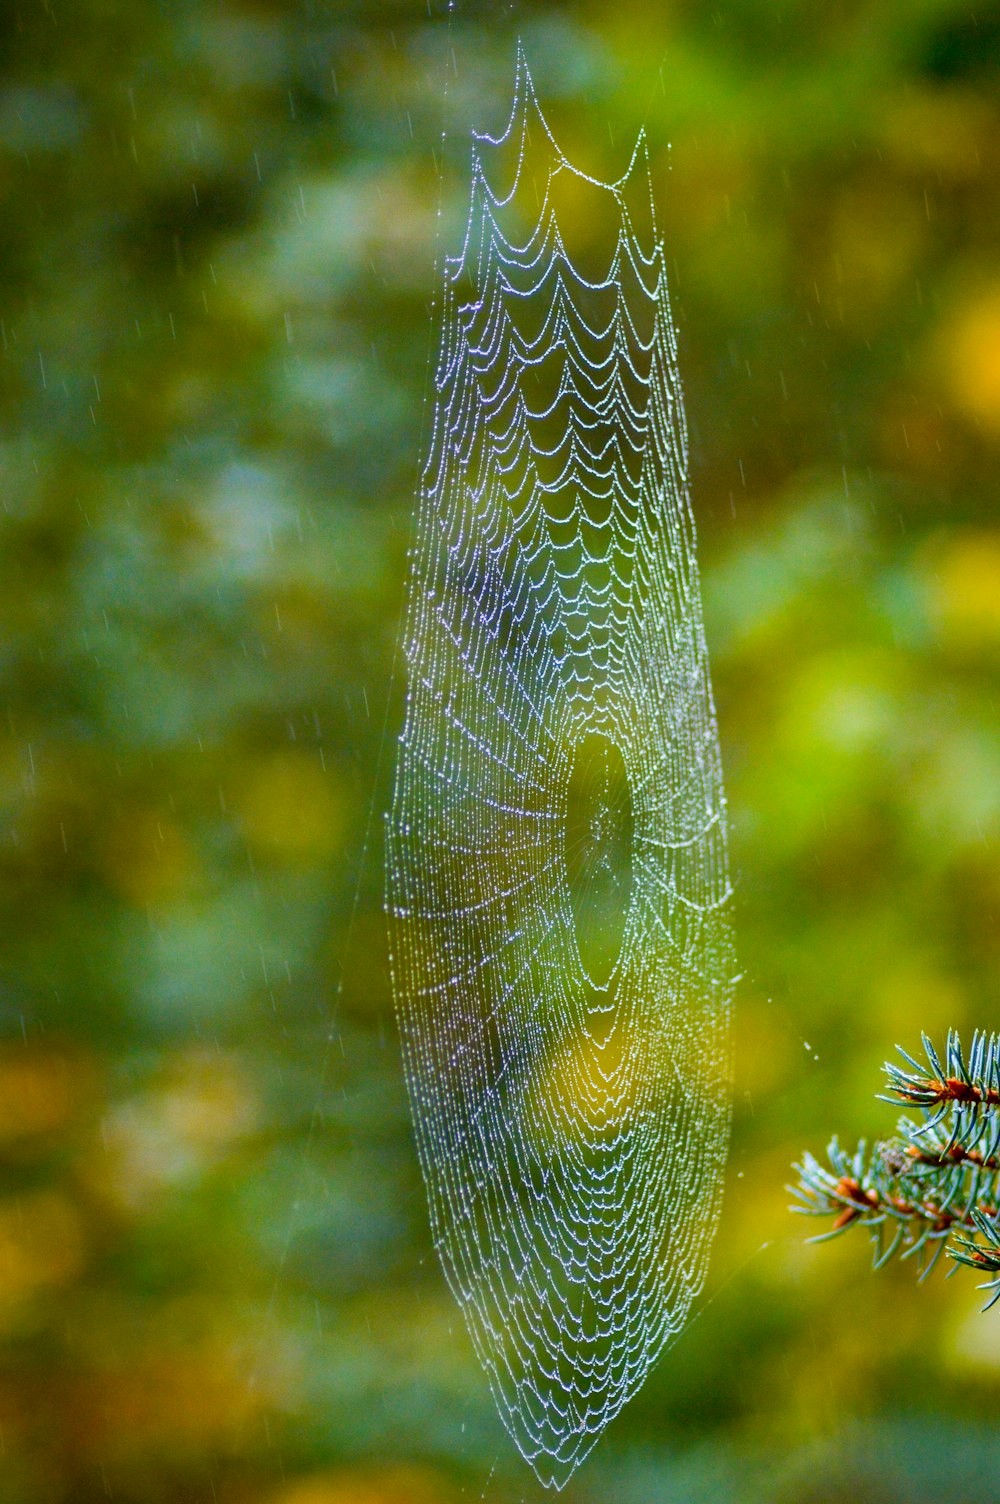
936 1186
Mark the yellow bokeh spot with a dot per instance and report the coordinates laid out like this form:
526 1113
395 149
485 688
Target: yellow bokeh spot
875 235
918 990
971 360
38 1093
190 1376
584 1088
199 1111
290 809
146 858
932 130
588 216
964 586
41 1248
207 1100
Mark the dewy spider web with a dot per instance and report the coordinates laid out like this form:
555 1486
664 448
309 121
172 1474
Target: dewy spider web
557 872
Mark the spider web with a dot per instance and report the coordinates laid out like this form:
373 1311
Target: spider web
556 847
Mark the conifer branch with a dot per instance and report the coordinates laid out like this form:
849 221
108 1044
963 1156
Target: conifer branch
936 1186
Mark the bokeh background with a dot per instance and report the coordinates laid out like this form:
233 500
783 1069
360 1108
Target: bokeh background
217 266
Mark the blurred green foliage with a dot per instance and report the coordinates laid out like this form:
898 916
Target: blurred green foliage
216 284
